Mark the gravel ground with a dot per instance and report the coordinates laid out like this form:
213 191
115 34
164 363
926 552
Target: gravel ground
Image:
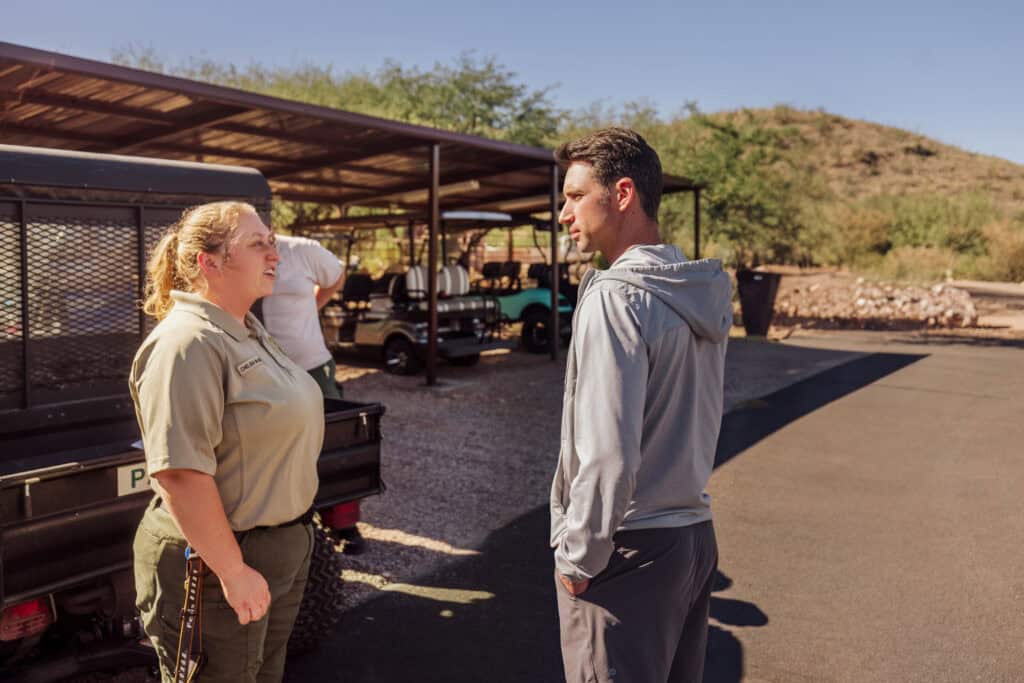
478 451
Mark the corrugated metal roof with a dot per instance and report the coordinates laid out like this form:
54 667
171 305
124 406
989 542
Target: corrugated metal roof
307 152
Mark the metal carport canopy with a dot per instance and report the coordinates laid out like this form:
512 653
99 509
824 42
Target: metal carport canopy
307 152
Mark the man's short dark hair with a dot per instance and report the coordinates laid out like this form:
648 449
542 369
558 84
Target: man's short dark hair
616 153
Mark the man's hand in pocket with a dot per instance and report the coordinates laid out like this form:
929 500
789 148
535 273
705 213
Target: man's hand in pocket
574 587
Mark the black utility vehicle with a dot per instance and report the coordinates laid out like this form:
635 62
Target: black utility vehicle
75 230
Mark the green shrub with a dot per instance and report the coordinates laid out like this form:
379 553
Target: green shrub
915 264
955 223
1004 259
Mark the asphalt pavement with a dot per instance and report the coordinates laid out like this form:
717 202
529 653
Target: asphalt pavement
872 514
869 524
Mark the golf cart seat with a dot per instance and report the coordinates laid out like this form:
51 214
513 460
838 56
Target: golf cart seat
355 295
382 285
409 292
409 288
453 280
510 276
541 272
490 280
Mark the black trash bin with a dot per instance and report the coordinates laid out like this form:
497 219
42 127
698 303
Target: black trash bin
757 300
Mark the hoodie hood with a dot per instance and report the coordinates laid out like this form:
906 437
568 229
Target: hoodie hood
699 292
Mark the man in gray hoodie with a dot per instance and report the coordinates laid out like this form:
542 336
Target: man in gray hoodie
631 528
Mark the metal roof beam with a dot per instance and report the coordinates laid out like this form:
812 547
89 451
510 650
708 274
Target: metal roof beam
288 195
523 200
448 179
85 105
368 170
372 219
56 133
209 120
321 182
337 158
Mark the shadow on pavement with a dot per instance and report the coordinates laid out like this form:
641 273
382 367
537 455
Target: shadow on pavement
754 420
495 619
743 427
512 636
724 663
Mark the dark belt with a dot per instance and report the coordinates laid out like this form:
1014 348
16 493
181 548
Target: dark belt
305 518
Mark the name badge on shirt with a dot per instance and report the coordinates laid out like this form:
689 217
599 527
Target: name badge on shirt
248 365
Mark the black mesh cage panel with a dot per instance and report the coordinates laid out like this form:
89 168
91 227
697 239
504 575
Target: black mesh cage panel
12 369
83 288
71 278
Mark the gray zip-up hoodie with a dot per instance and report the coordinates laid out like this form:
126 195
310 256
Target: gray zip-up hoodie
643 402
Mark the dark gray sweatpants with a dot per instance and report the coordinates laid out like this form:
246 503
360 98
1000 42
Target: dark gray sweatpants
644 619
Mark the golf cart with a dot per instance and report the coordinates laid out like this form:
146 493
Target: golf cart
388 317
530 305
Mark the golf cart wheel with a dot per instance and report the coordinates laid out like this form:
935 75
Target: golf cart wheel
400 357
535 331
465 361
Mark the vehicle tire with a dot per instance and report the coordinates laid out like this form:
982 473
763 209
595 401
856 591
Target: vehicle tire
324 600
535 331
465 361
400 357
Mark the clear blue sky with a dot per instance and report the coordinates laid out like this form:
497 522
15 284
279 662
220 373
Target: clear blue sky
943 69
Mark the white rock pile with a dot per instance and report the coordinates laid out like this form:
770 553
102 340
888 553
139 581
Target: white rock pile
862 304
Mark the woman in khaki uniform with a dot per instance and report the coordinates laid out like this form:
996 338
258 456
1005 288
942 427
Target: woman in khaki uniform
232 430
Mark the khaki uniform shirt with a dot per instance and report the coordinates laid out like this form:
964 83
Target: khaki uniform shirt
222 398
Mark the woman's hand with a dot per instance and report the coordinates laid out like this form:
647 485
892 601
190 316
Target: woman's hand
247 592
194 503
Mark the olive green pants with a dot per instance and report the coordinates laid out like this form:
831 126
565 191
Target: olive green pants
234 653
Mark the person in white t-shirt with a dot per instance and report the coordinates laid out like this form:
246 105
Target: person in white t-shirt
307 276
